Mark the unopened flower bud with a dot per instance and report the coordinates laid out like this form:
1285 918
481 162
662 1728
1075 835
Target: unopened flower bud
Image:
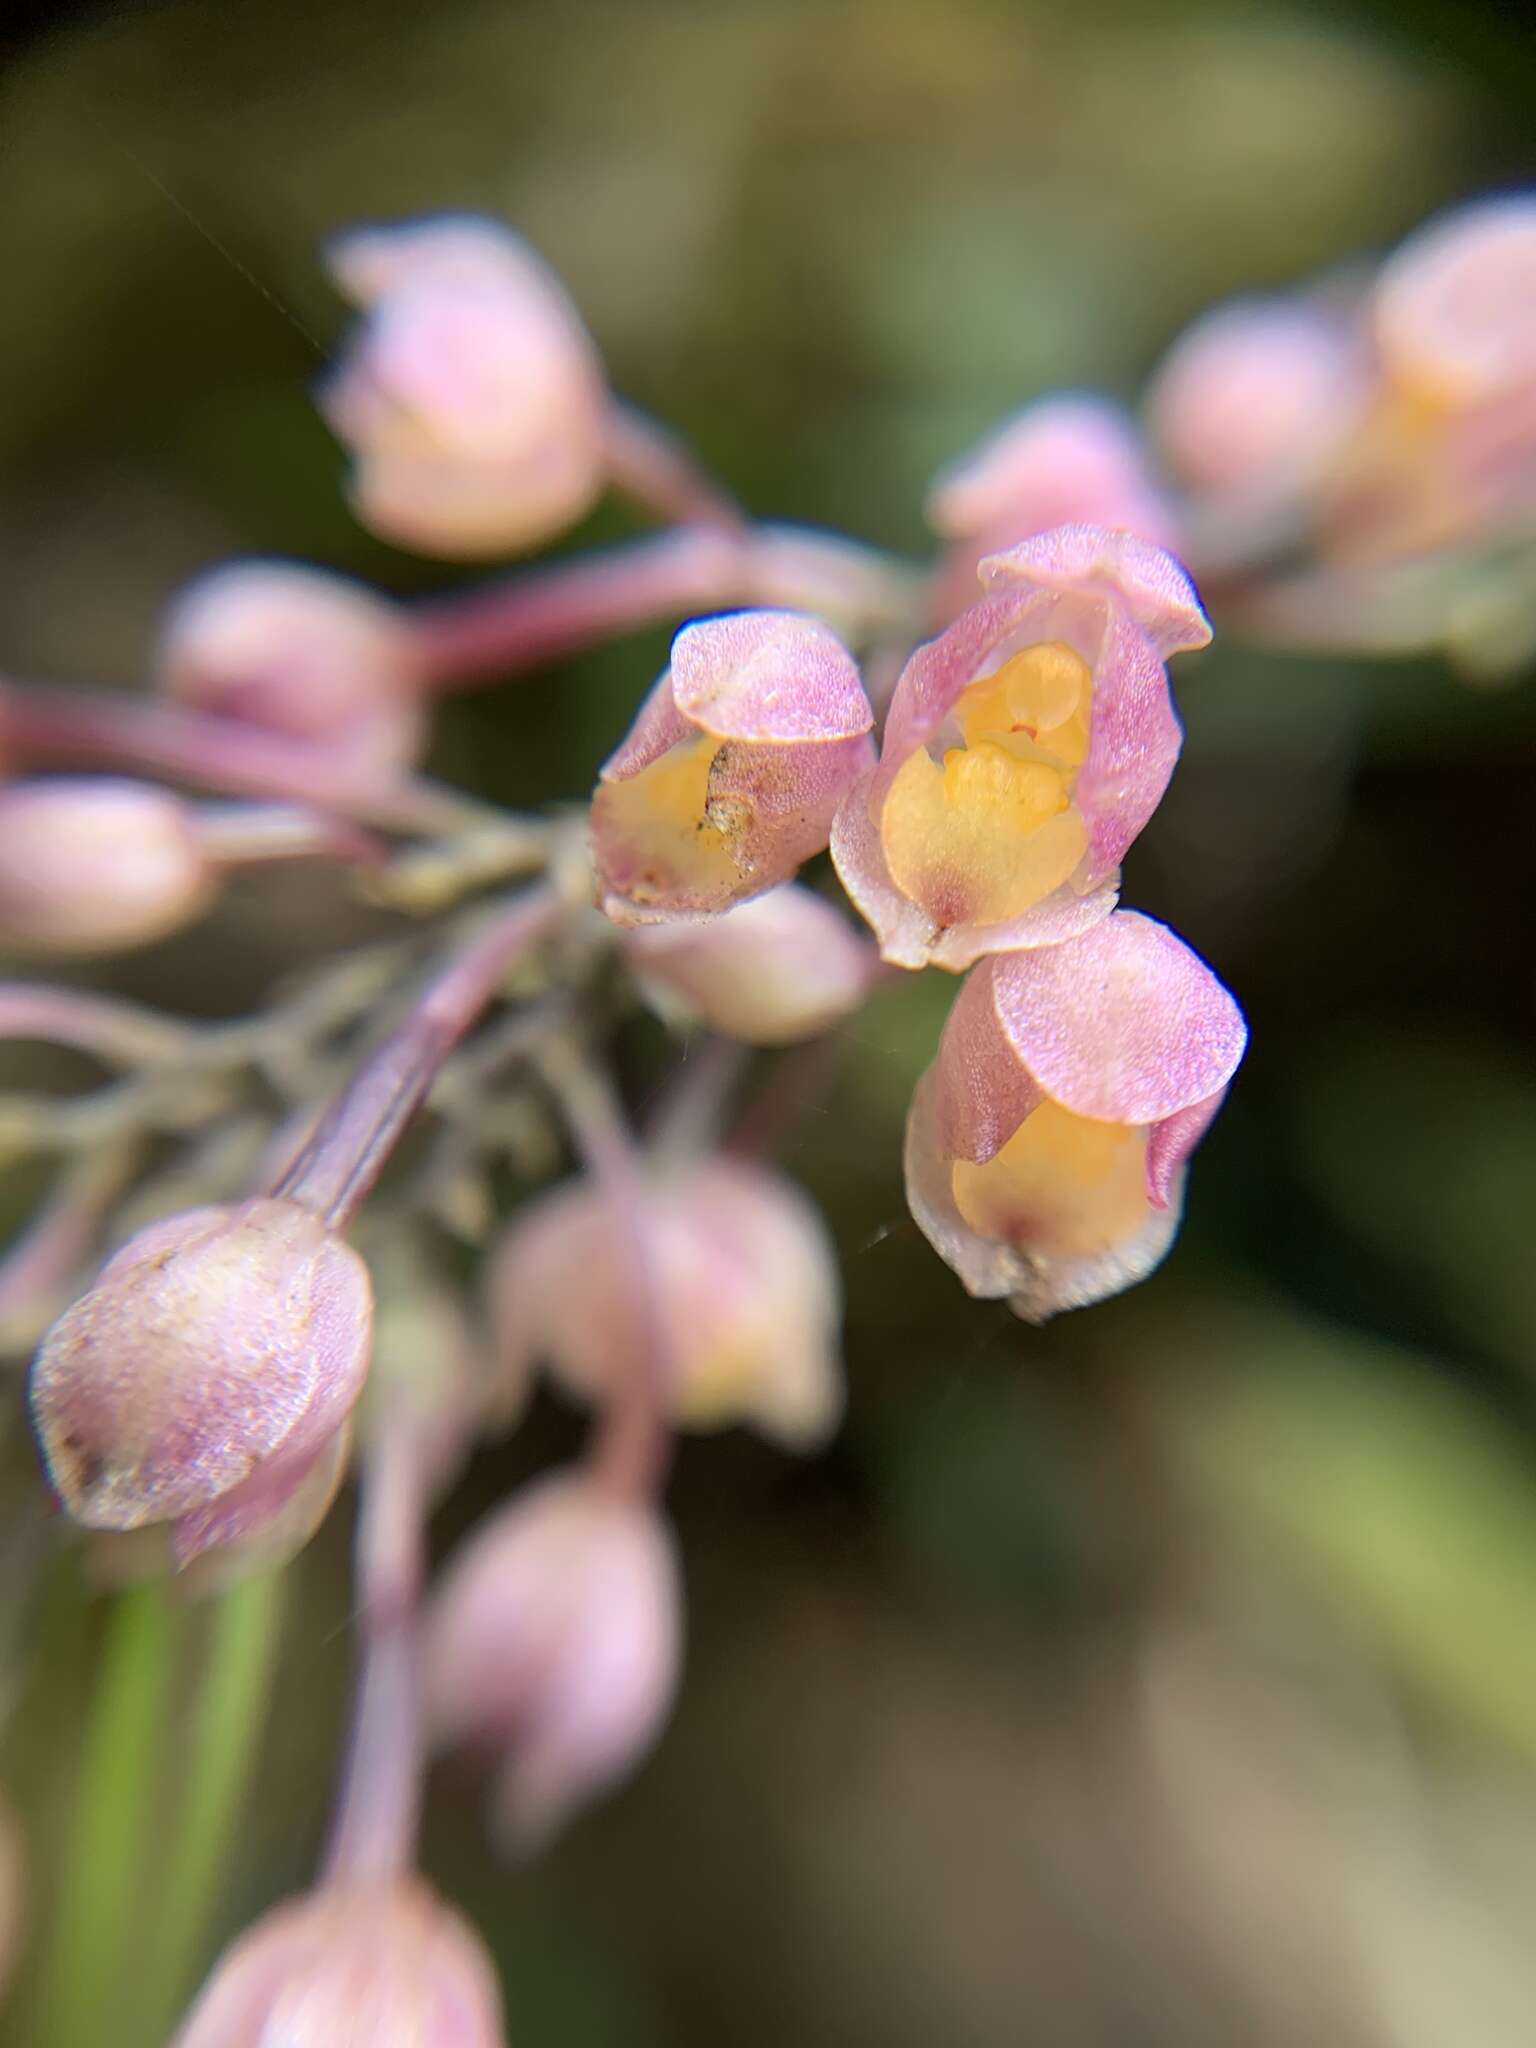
384 1966
1066 461
556 1638
297 651
205 1378
1046 1145
472 396
1025 749
1454 309
779 968
1257 395
748 1289
89 865
734 768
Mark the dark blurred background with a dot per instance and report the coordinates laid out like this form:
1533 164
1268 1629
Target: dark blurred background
1164 1677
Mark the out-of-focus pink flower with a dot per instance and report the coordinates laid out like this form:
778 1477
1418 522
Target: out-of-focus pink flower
779 968
90 864
1454 308
733 770
472 397
1047 1143
1257 395
206 1378
748 1287
1025 749
1073 460
386 1965
556 1637
298 651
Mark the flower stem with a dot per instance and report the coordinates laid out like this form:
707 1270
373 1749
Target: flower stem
654 469
219 1758
354 1138
88 1957
373 1831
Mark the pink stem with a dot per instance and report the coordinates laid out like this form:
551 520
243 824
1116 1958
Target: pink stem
249 835
355 1136
515 624
47 725
631 1453
374 1827
120 1033
654 468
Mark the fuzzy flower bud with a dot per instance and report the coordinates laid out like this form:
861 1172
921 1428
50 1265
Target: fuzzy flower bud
778 969
733 770
1072 460
296 651
205 1380
748 1284
1454 309
472 397
1046 1145
91 864
556 1637
388 1965
1257 395
1025 749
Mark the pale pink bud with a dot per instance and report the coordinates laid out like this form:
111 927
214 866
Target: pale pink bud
90 864
472 396
556 1637
1257 395
779 968
206 1377
1454 309
748 1289
1067 461
733 770
297 651
1025 749
382 1966
1046 1145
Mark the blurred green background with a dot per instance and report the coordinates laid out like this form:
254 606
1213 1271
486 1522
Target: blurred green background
1164 1677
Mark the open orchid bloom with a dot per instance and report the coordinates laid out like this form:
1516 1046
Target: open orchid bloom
1046 1145
387 1964
748 1288
734 769
1074 460
472 396
1025 749
556 1639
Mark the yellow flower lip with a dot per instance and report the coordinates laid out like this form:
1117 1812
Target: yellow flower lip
990 830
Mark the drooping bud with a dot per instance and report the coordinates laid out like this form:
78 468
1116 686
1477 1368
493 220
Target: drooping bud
1046 1145
1065 461
777 969
388 1965
1256 395
297 651
1025 749
91 864
748 1287
472 396
206 1379
556 1638
733 770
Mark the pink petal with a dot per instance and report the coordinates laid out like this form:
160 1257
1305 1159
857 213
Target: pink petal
768 677
1133 747
908 935
658 726
1170 1143
1125 1023
1096 561
981 1090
